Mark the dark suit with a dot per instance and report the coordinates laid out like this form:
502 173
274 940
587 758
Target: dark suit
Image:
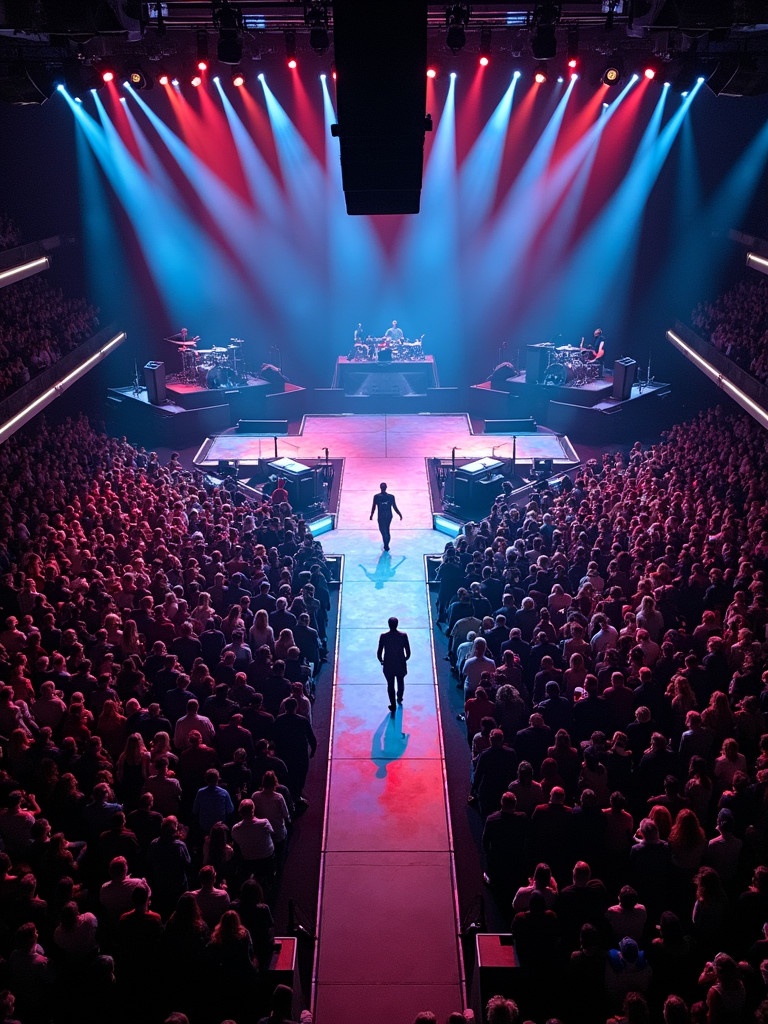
393 652
384 505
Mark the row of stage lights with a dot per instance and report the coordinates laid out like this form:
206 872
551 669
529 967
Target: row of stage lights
610 76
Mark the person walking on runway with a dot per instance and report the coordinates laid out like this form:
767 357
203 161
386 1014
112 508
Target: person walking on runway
393 652
384 505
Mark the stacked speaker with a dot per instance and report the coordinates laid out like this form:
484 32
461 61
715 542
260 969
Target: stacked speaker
381 67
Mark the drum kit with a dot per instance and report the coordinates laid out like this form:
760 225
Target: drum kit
373 349
571 366
218 367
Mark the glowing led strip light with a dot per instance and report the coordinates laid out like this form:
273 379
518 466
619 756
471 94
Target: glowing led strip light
24 270
746 403
58 388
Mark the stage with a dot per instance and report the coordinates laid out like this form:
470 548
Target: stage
487 459
402 378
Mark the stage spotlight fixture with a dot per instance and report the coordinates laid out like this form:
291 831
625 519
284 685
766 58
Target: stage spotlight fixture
316 20
540 77
238 78
290 49
650 73
431 72
228 22
690 71
164 78
197 80
107 75
138 80
485 46
544 38
573 47
611 74
202 50
456 20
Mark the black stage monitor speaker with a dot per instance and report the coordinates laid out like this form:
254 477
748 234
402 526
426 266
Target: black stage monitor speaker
154 375
624 371
385 355
536 360
272 374
526 426
542 467
266 427
500 375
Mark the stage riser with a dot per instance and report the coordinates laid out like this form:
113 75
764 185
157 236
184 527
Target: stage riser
403 377
254 395
625 421
584 396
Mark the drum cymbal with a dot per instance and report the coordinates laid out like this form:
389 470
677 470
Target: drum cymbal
187 342
218 348
569 348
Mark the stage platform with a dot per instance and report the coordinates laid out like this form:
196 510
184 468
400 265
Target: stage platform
191 412
194 396
362 378
588 412
510 456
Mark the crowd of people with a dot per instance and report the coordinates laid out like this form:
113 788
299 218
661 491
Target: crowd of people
160 640
737 323
610 641
38 323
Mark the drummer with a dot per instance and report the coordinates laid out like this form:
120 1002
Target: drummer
393 334
596 353
182 338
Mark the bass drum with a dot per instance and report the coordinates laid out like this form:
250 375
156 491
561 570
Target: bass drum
202 370
559 374
221 377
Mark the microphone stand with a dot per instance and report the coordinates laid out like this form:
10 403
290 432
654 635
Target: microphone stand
649 380
136 390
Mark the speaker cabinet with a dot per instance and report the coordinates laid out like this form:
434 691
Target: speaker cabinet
537 357
624 372
154 376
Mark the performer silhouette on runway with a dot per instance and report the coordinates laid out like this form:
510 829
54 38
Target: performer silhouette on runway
384 504
393 652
